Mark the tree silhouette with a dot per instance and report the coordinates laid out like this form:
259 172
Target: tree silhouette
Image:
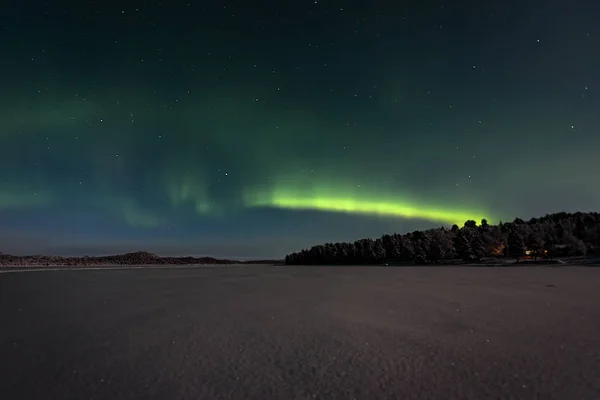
470 224
421 243
535 244
462 245
516 244
441 245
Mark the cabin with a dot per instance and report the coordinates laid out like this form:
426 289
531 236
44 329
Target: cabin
530 254
559 249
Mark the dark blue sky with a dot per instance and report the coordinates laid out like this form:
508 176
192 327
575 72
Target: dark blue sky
255 129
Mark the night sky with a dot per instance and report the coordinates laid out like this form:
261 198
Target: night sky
253 129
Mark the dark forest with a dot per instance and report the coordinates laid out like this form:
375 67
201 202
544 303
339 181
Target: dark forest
539 239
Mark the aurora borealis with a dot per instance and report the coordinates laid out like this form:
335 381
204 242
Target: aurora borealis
252 130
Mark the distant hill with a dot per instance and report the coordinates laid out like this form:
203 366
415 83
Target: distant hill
136 258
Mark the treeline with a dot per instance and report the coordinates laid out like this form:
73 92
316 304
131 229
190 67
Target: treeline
555 235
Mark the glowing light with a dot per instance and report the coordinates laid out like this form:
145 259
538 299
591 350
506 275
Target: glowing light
342 199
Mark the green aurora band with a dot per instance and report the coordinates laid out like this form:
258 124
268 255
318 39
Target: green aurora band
343 200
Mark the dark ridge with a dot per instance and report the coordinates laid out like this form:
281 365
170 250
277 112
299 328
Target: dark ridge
136 258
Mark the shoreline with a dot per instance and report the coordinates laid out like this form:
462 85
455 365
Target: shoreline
106 267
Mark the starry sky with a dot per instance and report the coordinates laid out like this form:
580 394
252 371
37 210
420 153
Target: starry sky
253 129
